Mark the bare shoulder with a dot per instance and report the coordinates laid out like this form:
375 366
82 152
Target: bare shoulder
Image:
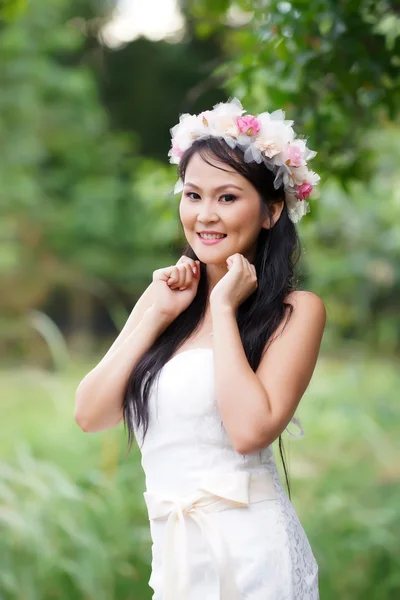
305 300
307 308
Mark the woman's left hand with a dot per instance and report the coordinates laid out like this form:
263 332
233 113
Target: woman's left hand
236 285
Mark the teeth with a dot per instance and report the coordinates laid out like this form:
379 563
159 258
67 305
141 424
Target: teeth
211 236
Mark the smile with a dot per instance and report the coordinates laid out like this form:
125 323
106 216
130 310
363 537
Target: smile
211 239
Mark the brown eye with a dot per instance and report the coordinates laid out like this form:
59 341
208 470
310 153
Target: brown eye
230 197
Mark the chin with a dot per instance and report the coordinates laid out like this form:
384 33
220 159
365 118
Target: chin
216 259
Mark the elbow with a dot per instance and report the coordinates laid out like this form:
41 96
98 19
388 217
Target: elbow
246 447
81 422
244 444
81 419
253 442
90 417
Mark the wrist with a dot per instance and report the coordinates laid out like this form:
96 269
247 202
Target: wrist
158 317
220 307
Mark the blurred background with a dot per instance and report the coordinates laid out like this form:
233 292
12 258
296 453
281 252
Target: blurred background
89 91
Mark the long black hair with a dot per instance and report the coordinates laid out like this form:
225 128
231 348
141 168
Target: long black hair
278 250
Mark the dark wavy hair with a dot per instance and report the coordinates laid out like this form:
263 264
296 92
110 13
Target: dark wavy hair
277 253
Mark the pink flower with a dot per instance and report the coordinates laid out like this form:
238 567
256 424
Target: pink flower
304 190
294 155
177 151
248 124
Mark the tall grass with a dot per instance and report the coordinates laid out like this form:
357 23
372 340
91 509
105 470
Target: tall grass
70 539
73 519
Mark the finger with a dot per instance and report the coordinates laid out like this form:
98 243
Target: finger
254 274
190 261
239 261
186 275
164 273
238 258
246 261
248 267
191 276
184 259
251 270
174 275
179 281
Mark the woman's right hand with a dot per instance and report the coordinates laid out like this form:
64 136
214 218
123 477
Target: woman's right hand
175 287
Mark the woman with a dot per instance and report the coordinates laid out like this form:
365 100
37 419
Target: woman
213 361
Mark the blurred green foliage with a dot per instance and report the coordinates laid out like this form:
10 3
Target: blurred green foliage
352 249
73 522
73 517
334 66
11 9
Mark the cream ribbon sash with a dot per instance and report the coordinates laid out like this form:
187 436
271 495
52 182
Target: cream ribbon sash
216 492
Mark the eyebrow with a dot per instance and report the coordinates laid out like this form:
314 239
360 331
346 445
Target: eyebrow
217 189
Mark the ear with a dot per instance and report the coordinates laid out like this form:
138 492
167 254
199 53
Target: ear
275 210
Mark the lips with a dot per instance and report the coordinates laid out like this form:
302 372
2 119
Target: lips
211 241
211 232
200 233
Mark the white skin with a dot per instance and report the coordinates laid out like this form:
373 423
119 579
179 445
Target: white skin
236 212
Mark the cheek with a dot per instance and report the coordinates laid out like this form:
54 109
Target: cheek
243 220
245 225
187 216
183 213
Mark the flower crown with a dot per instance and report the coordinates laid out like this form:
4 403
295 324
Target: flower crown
267 137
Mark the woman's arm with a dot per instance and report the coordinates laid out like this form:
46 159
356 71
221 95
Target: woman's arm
99 396
256 407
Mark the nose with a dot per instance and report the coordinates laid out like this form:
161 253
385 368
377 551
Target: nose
207 213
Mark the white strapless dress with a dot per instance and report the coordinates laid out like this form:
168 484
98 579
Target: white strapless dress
222 525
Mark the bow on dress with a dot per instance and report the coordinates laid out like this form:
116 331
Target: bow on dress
216 492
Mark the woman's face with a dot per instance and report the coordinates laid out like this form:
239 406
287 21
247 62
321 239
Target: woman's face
220 201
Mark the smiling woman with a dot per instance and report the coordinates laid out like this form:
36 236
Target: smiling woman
206 430
206 416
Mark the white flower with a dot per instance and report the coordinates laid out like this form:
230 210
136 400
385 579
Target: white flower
296 208
189 128
313 178
221 121
252 153
275 133
290 176
178 187
224 125
233 108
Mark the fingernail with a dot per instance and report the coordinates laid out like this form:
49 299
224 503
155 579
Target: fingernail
180 289
194 269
